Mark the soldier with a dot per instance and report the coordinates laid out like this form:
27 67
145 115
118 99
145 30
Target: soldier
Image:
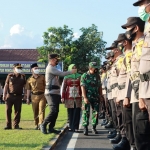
52 93
143 121
12 95
125 45
91 93
135 29
36 85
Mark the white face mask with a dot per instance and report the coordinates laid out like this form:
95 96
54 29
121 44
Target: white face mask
36 71
18 70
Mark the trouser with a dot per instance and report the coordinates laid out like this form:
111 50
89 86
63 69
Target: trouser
38 105
86 113
128 126
109 109
67 115
53 101
102 105
17 102
119 111
114 114
142 131
74 117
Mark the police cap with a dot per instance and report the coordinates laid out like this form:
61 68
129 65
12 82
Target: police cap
137 3
17 65
93 65
114 45
51 56
133 21
121 37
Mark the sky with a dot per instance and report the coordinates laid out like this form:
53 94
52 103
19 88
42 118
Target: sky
22 22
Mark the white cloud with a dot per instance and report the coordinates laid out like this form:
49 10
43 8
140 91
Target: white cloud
76 35
16 29
5 46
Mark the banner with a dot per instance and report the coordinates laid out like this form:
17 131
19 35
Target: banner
7 66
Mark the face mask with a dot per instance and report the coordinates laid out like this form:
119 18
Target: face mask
120 46
143 14
130 35
36 71
18 70
112 54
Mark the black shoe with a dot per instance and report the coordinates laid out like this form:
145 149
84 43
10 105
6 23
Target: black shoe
85 131
18 128
112 131
43 128
109 125
7 128
105 122
94 131
122 145
54 131
116 140
70 130
113 135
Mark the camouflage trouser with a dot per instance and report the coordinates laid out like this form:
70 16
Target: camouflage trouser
86 113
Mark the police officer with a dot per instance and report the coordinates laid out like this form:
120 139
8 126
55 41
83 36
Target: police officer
12 95
134 31
36 85
91 93
52 93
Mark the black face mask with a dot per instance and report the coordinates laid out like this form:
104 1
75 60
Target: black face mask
96 70
130 35
56 62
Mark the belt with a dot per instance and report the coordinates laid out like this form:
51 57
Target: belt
120 87
38 93
145 77
14 94
114 85
52 87
134 76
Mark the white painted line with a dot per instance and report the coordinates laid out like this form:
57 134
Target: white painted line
72 142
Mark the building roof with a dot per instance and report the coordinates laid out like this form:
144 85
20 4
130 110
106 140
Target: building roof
18 55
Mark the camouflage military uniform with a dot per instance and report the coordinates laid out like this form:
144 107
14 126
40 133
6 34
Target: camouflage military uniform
92 83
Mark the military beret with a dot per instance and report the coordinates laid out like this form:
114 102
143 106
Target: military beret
17 65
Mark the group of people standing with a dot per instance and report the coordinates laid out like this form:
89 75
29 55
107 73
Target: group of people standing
125 79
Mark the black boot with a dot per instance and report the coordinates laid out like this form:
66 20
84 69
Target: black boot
104 122
94 130
109 125
113 135
101 115
85 130
43 128
116 140
122 145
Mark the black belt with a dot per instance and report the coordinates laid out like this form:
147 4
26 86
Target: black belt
14 94
52 87
114 85
37 93
120 87
145 77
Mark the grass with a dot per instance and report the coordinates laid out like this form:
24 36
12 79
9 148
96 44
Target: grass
28 138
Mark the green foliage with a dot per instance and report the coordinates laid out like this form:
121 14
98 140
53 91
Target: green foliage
27 138
88 47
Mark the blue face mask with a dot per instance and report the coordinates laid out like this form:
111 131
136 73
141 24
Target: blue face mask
143 14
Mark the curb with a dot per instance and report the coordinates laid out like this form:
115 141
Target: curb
53 142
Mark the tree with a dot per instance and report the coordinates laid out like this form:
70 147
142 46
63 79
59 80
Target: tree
88 47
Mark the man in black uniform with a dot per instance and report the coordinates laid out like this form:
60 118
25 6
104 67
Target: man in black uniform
12 95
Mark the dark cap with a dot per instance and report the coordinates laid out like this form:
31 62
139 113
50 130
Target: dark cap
137 3
34 65
121 37
133 21
93 65
51 56
114 45
17 65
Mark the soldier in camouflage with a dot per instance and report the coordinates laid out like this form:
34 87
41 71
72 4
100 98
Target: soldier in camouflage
91 93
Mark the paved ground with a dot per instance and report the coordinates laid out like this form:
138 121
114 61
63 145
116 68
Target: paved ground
77 141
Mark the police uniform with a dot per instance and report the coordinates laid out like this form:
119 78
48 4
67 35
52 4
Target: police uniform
92 84
15 83
37 88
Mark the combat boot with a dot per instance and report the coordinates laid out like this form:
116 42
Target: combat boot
109 125
43 128
113 135
122 145
94 130
105 122
116 140
85 130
